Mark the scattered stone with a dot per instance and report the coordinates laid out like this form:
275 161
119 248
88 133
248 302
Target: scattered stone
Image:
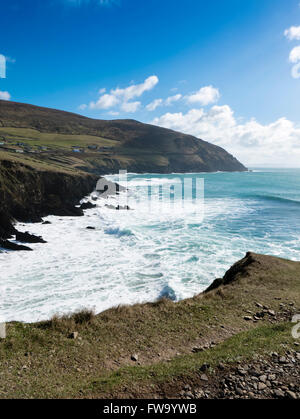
197 349
242 372
278 393
122 208
204 377
204 367
7 245
90 228
291 395
28 238
135 357
87 205
73 335
247 318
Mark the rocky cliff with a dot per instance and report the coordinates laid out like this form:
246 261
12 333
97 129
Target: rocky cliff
28 193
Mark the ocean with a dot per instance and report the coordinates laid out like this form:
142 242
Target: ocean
143 254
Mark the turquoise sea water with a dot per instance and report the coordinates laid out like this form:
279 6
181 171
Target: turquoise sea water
140 255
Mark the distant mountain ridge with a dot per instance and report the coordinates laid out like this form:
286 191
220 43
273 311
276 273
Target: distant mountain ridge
133 145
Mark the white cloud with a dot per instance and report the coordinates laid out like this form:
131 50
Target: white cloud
122 97
205 96
105 102
135 90
155 104
130 107
2 67
113 113
160 102
295 55
293 33
277 143
82 107
102 91
296 71
170 100
4 95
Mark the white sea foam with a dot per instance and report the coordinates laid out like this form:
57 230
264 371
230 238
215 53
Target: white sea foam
131 256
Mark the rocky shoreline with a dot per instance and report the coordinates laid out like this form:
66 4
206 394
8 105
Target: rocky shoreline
28 194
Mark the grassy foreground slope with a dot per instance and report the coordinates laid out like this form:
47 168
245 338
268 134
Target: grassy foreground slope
120 144
156 350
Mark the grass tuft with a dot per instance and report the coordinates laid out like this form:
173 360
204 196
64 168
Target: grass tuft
69 321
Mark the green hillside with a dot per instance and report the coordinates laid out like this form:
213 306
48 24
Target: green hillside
105 146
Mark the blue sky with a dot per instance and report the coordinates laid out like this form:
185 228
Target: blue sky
220 70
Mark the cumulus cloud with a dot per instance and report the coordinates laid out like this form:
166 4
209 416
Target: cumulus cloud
170 100
204 96
296 71
105 102
123 97
155 104
130 107
113 113
4 95
160 102
252 142
135 90
295 55
2 66
293 33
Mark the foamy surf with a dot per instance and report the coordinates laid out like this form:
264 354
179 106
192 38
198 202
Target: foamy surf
138 256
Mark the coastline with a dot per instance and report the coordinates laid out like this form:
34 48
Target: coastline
30 193
166 349
184 349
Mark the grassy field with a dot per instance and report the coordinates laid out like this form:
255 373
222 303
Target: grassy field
34 138
142 147
41 360
59 152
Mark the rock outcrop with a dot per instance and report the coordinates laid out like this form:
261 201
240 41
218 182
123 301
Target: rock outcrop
27 194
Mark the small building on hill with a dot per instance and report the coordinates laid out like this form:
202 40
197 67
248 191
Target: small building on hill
77 150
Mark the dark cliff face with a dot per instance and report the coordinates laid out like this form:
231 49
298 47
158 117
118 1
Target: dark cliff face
137 147
27 194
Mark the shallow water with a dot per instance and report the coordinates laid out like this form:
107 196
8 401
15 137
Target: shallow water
140 255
